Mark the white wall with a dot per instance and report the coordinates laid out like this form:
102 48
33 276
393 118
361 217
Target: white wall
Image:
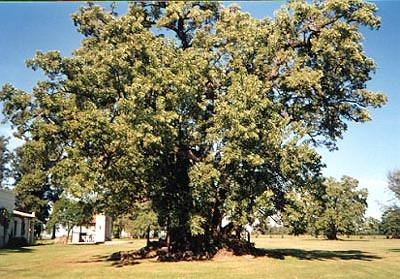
103 228
90 231
101 232
15 229
100 228
7 200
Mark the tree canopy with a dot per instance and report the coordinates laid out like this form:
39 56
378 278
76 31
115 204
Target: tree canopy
34 189
332 208
69 213
394 183
391 217
391 222
199 108
4 159
341 209
5 219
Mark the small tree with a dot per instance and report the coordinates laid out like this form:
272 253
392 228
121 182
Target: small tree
69 213
35 190
341 209
297 213
371 226
5 218
142 221
391 217
391 222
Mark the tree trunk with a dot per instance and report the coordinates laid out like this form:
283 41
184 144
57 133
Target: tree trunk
5 228
217 216
72 234
66 240
332 233
148 236
239 232
180 235
168 239
53 232
69 229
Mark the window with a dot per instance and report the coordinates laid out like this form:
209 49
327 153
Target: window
15 227
23 227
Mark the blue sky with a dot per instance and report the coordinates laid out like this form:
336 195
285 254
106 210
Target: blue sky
367 152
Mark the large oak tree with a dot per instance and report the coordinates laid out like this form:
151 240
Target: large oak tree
198 108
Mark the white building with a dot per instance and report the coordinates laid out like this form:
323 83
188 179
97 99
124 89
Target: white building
99 231
21 223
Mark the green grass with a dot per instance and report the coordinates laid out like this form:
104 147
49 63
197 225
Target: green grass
287 257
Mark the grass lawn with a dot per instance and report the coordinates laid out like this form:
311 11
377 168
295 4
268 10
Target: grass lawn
288 257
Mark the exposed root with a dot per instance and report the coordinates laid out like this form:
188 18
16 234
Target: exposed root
159 251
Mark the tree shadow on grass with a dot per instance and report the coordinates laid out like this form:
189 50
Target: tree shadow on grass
25 249
317 254
396 250
339 239
280 254
6 251
101 258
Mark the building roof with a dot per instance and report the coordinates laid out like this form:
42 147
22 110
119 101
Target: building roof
23 214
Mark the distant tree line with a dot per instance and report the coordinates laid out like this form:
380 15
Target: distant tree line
340 209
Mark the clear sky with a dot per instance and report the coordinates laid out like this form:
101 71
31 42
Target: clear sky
367 152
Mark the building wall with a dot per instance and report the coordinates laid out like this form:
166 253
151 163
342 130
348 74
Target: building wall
24 228
19 226
100 228
88 231
8 233
108 232
99 233
7 200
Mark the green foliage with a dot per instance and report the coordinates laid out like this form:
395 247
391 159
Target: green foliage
197 225
202 124
394 183
4 159
35 191
144 220
265 228
336 207
5 218
391 217
140 222
295 214
342 208
370 226
69 213
391 222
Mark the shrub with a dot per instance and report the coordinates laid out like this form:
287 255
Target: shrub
17 242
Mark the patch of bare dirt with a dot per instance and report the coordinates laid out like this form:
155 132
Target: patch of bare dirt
223 254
